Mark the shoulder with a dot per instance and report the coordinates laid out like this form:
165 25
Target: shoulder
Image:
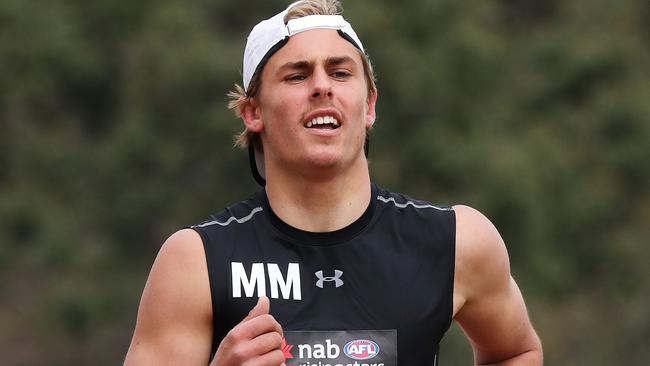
175 314
417 220
402 201
182 249
239 212
412 211
178 273
482 262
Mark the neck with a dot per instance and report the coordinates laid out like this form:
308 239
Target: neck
320 204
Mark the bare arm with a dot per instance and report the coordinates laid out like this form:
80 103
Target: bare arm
174 325
487 302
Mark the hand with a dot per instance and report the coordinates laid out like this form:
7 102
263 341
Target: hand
255 341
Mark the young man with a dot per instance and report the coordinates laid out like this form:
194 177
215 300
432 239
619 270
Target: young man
322 267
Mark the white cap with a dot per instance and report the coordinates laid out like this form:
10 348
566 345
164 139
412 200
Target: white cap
271 34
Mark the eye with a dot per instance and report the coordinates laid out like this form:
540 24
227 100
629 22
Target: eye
341 74
295 77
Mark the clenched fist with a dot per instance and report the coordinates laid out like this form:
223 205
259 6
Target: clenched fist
255 341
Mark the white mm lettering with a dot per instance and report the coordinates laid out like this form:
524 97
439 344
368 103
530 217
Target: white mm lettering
292 284
240 279
257 281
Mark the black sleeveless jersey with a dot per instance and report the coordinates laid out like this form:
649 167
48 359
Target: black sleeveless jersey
377 292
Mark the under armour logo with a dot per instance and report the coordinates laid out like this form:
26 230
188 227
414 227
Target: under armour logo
336 278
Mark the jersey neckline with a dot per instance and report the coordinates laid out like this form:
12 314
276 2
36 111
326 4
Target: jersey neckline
342 235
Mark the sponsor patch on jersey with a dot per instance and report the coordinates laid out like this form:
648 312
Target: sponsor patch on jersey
361 349
340 348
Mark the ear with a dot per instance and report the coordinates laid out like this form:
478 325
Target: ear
371 114
252 115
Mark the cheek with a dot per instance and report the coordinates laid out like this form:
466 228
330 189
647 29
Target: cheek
281 115
285 105
360 110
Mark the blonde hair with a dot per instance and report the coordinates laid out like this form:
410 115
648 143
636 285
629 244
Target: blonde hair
239 97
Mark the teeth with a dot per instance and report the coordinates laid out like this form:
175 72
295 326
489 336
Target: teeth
326 120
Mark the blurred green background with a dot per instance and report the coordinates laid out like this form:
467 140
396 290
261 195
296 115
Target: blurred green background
114 133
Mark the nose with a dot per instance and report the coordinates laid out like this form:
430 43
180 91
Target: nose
322 84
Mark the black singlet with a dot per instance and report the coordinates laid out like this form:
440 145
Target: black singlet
377 292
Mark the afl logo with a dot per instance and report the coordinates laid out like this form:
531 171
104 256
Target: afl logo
361 349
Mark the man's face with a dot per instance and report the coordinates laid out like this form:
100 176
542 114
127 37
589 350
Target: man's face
313 108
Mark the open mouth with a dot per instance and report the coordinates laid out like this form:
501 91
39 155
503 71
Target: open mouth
324 122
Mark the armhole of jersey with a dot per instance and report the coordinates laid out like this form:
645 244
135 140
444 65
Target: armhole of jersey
451 218
436 356
213 290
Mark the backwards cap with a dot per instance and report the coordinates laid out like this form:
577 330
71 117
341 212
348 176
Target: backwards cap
271 34
266 38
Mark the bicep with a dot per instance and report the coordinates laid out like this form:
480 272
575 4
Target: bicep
497 325
174 324
493 313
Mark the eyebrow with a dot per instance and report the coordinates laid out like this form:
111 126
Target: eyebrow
304 64
335 61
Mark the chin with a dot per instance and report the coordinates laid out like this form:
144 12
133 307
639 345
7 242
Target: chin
324 159
324 162
333 160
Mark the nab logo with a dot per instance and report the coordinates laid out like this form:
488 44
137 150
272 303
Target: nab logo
255 285
361 349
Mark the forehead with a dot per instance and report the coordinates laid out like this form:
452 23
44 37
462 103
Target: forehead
314 46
